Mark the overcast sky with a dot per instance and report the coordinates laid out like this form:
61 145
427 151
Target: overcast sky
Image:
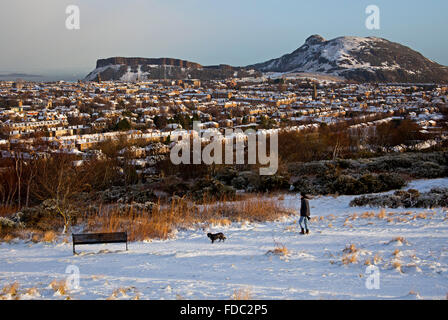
34 39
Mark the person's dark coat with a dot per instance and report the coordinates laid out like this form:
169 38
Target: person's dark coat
304 208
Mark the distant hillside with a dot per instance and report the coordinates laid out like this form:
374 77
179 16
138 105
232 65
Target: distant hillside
131 69
353 58
361 59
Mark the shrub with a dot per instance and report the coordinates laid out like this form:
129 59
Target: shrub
437 197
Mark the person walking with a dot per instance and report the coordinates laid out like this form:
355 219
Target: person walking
304 213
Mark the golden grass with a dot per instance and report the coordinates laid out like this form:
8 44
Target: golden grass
367 214
350 254
421 215
279 250
8 238
377 259
349 258
36 237
347 223
396 265
220 222
350 249
399 240
59 286
181 213
242 294
396 252
32 291
49 236
11 290
381 214
122 291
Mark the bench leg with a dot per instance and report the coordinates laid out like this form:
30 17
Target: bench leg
126 246
74 249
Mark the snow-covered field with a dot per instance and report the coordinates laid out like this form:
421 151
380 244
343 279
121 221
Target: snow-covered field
190 267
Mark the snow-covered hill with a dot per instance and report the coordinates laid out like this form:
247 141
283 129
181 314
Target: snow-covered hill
134 69
358 58
409 247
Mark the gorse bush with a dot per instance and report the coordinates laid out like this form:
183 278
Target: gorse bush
436 197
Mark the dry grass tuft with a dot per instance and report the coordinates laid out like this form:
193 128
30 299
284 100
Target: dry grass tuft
350 249
49 236
242 294
347 223
396 252
349 258
8 238
367 214
396 265
377 259
32 292
220 222
350 254
122 291
36 237
398 240
279 250
59 287
11 290
381 214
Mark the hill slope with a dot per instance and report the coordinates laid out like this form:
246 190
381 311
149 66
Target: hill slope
131 69
361 59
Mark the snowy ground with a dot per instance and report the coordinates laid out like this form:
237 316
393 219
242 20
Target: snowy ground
189 267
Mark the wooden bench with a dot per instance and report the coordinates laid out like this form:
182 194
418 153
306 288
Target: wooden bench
94 238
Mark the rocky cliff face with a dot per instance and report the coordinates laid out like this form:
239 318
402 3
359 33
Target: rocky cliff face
362 59
131 69
146 61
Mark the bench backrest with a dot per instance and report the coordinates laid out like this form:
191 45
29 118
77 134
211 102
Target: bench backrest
91 238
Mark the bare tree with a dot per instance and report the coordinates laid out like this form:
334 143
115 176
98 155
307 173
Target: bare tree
18 166
59 180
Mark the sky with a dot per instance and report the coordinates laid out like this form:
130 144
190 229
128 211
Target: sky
34 38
